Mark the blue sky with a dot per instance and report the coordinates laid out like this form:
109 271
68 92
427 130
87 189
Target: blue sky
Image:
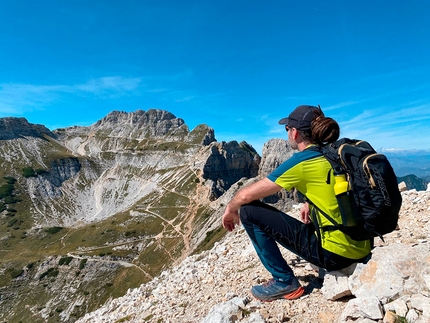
237 66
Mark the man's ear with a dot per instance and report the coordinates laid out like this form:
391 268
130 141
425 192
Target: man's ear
295 133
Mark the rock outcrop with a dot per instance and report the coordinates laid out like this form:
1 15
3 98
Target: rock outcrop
275 151
227 162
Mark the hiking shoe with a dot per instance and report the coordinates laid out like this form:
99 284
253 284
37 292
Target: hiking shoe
276 290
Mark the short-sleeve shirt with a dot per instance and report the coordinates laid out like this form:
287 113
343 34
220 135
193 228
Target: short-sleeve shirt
307 171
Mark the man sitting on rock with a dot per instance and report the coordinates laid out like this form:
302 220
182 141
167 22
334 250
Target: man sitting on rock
306 171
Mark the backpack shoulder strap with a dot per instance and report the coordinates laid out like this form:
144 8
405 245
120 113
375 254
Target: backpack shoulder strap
334 226
322 150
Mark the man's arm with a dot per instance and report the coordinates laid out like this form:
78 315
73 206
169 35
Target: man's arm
258 190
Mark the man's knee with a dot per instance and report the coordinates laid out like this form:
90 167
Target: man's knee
245 213
251 212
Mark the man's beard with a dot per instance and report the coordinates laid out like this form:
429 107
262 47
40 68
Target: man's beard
292 143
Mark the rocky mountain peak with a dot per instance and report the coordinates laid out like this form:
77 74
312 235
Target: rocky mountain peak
138 117
153 122
275 151
14 128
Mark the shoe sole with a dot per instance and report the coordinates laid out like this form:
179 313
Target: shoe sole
293 295
296 294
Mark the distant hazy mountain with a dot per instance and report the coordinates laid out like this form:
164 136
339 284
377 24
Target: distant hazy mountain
407 162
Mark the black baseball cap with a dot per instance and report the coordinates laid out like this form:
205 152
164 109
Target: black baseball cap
302 116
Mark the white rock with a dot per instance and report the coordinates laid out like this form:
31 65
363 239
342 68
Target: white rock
255 318
362 307
421 303
335 286
222 313
398 306
412 316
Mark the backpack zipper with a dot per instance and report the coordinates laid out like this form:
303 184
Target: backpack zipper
367 170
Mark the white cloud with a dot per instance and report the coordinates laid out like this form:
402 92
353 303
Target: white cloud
16 98
337 106
185 99
116 84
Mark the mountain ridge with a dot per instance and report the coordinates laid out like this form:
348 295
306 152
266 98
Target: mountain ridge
117 201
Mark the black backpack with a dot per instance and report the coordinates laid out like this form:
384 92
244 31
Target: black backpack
376 197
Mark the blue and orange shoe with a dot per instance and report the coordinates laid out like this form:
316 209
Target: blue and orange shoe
273 290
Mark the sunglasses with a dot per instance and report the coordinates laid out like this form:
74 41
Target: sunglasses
287 128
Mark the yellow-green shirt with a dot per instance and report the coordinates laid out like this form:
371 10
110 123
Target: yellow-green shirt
307 171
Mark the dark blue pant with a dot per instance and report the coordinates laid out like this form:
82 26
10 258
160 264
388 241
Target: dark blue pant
266 225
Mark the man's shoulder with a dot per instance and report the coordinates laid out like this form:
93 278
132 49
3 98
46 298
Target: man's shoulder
294 161
308 153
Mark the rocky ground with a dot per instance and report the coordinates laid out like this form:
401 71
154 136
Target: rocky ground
190 290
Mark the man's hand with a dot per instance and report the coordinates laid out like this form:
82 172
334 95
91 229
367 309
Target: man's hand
304 214
230 219
255 191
